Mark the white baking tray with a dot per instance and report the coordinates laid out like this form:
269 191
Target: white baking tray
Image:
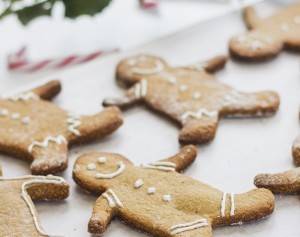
242 147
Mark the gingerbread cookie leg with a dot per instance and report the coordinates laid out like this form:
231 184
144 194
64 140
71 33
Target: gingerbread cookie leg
103 212
287 182
296 151
238 104
48 90
49 155
182 160
200 130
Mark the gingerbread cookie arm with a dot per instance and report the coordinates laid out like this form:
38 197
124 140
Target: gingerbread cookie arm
0 171
48 90
251 18
97 126
211 65
238 104
287 182
199 130
296 151
49 155
103 212
182 160
131 97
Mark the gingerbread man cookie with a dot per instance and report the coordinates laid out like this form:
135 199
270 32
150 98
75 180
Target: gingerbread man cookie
18 215
34 129
155 199
296 150
189 95
268 36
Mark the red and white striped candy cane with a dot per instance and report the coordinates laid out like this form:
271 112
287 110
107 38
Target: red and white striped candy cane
149 4
19 62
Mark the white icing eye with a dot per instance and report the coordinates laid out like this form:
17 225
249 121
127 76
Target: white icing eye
167 198
91 166
15 116
26 120
4 112
151 190
101 160
139 183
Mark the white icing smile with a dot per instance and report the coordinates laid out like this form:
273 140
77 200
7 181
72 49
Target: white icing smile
121 169
158 67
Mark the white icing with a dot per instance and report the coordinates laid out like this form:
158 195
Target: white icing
114 174
256 45
111 203
176 229
158 167
284 26
232 204
58 140
143 88
158 67
101 160
197 95
139 183
113 199
167 198
232 209
137 91
74 122
4 112
151 190
15 116
91 166
199 114
23 97
171 79
197 66
27 199
26 120
223 204
297 20
183 88
163 163
232 98
114 195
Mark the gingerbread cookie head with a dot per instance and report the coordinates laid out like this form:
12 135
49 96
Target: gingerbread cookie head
16 201
32 128
267 36
190 95
156 199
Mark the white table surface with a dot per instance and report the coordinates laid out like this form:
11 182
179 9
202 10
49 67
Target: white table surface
242 147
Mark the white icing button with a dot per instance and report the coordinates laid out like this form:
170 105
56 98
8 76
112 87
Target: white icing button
197 95
26 120
167 198
183 87
297 20
101 160
15 116
139 183
91 166
284 27
4 112
151 190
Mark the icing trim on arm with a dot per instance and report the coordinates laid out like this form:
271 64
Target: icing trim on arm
161 165
74 122
23 97
232 204
141 89
113 200
199 114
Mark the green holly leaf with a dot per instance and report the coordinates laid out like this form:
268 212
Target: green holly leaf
27 14
76 8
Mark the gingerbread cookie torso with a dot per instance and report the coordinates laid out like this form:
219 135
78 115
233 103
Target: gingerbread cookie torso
155 199
18 214
189 95
268 36
32 128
